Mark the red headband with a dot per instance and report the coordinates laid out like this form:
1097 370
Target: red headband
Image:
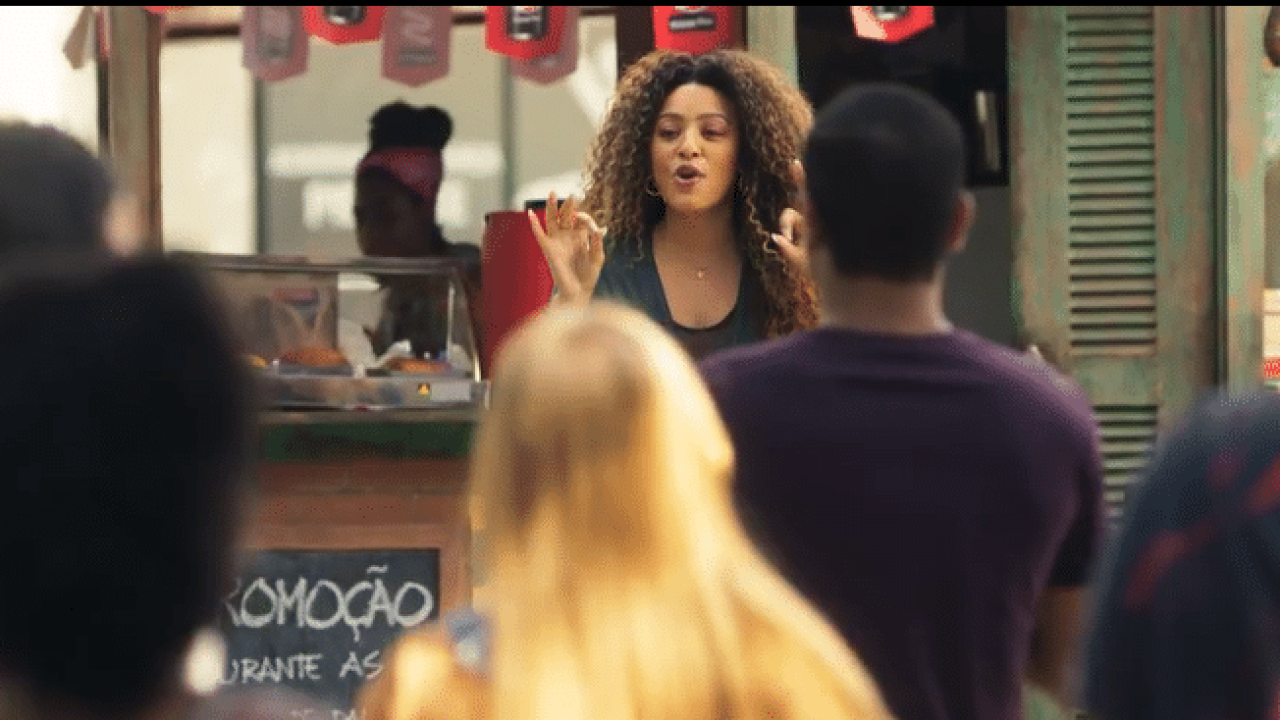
419 169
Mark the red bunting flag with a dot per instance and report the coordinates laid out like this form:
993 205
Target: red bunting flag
342 24
891 23
415 43
561 64
693 29
103 28
524 32
275 41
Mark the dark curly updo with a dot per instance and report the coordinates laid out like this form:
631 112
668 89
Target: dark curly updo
400 124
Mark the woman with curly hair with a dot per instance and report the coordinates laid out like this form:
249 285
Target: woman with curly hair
623 585
691 177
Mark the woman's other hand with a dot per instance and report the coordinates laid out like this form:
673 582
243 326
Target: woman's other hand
574 248
790 240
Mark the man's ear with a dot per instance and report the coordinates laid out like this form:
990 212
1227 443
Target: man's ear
961 223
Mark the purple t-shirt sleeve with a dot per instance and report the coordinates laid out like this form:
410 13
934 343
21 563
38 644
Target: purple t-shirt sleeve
1081 547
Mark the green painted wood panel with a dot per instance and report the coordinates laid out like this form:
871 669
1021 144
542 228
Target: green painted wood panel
1246 74
1112 130
326 441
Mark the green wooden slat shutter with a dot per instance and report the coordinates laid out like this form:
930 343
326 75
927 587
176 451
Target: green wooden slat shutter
1110 146
1113 206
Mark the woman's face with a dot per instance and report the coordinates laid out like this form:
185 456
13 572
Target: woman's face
695 149
389 218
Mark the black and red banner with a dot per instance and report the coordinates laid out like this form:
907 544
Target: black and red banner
891 23
693 29
524 32
342 24
560 64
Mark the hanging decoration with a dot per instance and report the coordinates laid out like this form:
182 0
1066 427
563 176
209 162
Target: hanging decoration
415 43
524 32
542 41
275 41
81 45
693 29
342 24
561 64
103 28
891 23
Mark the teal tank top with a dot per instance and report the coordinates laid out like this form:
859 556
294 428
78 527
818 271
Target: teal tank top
630 276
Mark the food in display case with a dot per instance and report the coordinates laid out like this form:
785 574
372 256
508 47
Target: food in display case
362 334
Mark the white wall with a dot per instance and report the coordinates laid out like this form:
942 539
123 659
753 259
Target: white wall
37 83
208 187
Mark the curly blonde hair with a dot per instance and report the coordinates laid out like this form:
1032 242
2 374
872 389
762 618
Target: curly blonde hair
773 117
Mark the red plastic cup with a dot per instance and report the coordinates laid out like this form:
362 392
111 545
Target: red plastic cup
515 281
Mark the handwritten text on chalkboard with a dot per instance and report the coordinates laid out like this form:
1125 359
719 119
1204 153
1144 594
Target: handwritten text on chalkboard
318 621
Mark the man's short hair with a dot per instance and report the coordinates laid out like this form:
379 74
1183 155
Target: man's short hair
54 193
125 444
885 170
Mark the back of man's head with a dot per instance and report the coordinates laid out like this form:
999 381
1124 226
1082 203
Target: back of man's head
885 171
54 193
124 443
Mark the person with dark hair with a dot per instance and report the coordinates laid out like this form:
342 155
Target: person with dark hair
936 494
55 195
1187 618
127 440
691 175
397 183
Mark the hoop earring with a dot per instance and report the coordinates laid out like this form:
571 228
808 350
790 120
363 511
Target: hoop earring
651 184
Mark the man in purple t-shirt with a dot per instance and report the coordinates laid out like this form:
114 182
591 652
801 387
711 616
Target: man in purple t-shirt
937 495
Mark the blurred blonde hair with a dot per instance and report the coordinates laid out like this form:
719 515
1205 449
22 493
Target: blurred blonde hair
623 584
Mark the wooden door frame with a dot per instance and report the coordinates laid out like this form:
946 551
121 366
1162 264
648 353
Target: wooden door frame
1190 329
1242 69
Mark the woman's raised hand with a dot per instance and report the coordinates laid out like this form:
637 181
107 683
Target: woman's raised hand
574 248
790 240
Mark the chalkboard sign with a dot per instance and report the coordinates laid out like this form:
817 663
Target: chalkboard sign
317 621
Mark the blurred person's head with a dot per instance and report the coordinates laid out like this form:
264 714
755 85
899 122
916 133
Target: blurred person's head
1188 617
398 180
623 585
55 195
125 442
885 183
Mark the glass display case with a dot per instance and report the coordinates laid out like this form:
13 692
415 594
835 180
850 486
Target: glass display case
366 334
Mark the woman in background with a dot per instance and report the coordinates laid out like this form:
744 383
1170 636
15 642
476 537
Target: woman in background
398 181
397 185
692 174
622 585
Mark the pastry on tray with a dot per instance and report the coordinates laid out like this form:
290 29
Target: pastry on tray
314 356
416 366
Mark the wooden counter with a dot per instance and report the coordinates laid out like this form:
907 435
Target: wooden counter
343 496
361 480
